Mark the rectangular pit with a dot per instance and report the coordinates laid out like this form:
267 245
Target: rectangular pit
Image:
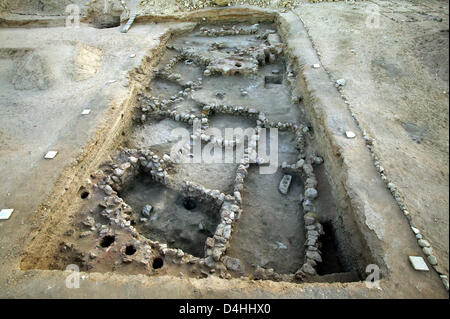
267 237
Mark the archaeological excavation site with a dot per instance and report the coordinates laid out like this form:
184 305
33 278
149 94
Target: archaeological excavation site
219 149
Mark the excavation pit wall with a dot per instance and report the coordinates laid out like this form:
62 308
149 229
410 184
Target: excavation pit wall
126 250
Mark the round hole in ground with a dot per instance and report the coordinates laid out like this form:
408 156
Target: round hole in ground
238 64
158 262
189 203
107 241
84 195
130 250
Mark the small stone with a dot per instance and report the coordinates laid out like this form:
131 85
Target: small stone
418 263
318 160
222 2
340 82
210 242
423 243
118 172
308 269
85 234
432 260
316 65
233 264
415 230
309 219
146 210
108 190
300 163
227 231
209 262
427 251
311 193
89 221
314 255
284 184
444 281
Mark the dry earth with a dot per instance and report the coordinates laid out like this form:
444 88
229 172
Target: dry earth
396 85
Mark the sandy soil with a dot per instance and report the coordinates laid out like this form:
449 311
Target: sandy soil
397 86
385 80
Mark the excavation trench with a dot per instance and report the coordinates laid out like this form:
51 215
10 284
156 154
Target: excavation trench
152 210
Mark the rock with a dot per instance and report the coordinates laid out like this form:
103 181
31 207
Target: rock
308 169
85 234
108 190
318 160
308 269
210 242
432 260
146 210
415 230
427 250
118 172
314 255
423 243
444 281
180 253
281 245
308 205
316 65
259 273
284 184
418 263
340 82
311 193
233 264
89 221
222 3
300 163
209 262
309 219
216 253
227 231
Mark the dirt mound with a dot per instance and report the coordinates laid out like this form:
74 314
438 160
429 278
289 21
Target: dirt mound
86 62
